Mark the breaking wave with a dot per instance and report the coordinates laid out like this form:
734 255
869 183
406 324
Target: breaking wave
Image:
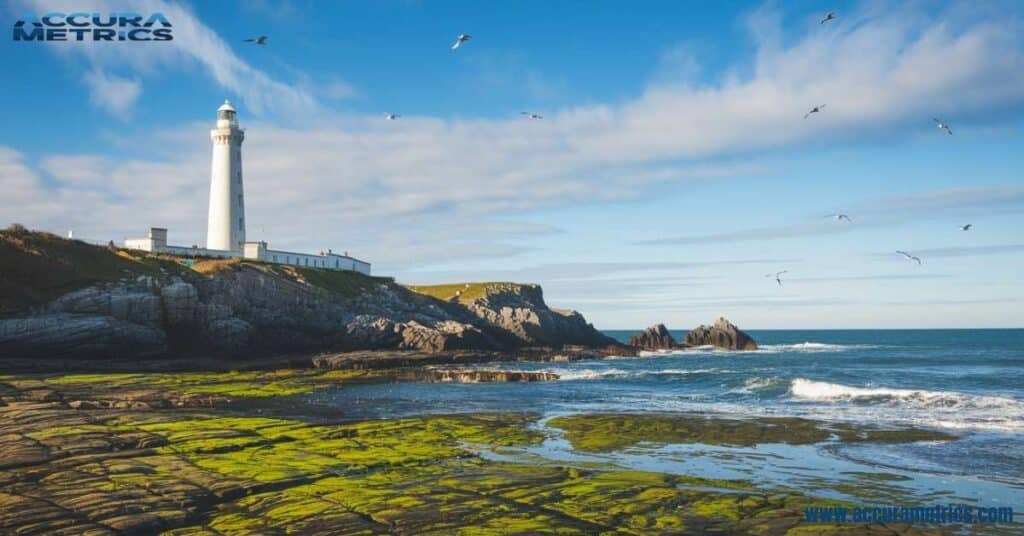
801 347
810 347
942 408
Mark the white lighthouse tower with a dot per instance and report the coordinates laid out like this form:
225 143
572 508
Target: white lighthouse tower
226 225
225 231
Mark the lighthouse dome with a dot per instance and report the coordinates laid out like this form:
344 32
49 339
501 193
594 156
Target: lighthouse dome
226 107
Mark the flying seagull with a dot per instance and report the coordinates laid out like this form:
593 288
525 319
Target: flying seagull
942 126
777 276
814 110
532 115
261 40
839 216
462 38
909 257
828 16
392 117
966 227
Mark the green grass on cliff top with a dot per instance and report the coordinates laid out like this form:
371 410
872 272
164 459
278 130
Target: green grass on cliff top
36 267
468 291
344 282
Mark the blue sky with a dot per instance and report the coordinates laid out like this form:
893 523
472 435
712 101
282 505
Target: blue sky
673 168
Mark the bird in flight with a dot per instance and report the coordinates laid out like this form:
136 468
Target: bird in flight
942 126
814 110
909 257
261 40
462 38
839 216
777 276
966 227
532 115
392 117
828 16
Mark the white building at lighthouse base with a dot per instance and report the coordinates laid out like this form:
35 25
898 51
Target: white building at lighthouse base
156 242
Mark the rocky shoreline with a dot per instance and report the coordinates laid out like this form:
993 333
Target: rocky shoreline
97 454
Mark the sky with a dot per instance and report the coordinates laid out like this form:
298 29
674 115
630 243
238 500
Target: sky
672 170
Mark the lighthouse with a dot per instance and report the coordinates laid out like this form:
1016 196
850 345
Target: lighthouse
225 228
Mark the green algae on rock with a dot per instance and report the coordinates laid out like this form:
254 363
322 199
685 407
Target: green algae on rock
112 470
601 432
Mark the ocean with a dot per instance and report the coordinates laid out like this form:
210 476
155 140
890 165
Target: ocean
966 382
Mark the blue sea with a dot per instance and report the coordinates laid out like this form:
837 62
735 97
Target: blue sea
966 382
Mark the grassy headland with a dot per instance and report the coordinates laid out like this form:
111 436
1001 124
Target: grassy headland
463 292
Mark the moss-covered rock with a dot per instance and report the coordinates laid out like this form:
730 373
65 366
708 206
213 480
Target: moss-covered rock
614 431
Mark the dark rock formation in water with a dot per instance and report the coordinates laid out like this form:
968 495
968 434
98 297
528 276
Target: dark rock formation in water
655 337
723 334
144 307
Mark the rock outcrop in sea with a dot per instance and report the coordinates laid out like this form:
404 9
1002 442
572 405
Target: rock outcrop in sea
722 334
655 337
138 306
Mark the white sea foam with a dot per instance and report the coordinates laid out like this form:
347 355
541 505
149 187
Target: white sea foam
950 409
594 374
574 374
801 347
812 347
760 383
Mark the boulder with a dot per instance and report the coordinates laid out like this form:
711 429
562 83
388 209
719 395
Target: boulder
655 337
723 334
443 336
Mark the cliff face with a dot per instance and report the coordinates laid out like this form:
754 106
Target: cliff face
247 308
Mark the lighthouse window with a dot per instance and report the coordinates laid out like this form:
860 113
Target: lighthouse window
239 200
241 223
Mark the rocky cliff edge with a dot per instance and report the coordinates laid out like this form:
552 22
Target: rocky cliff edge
64 298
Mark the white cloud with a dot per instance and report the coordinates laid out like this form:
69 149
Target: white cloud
194 43
403 190
113 93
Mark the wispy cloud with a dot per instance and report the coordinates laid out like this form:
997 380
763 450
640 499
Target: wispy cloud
982 301
965 251
113 93
874 277
577 271
396 189
958 198
754 234
194 44
875 213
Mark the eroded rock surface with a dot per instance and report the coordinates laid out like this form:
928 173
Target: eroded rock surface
655 337
723 334
253 310
135 470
